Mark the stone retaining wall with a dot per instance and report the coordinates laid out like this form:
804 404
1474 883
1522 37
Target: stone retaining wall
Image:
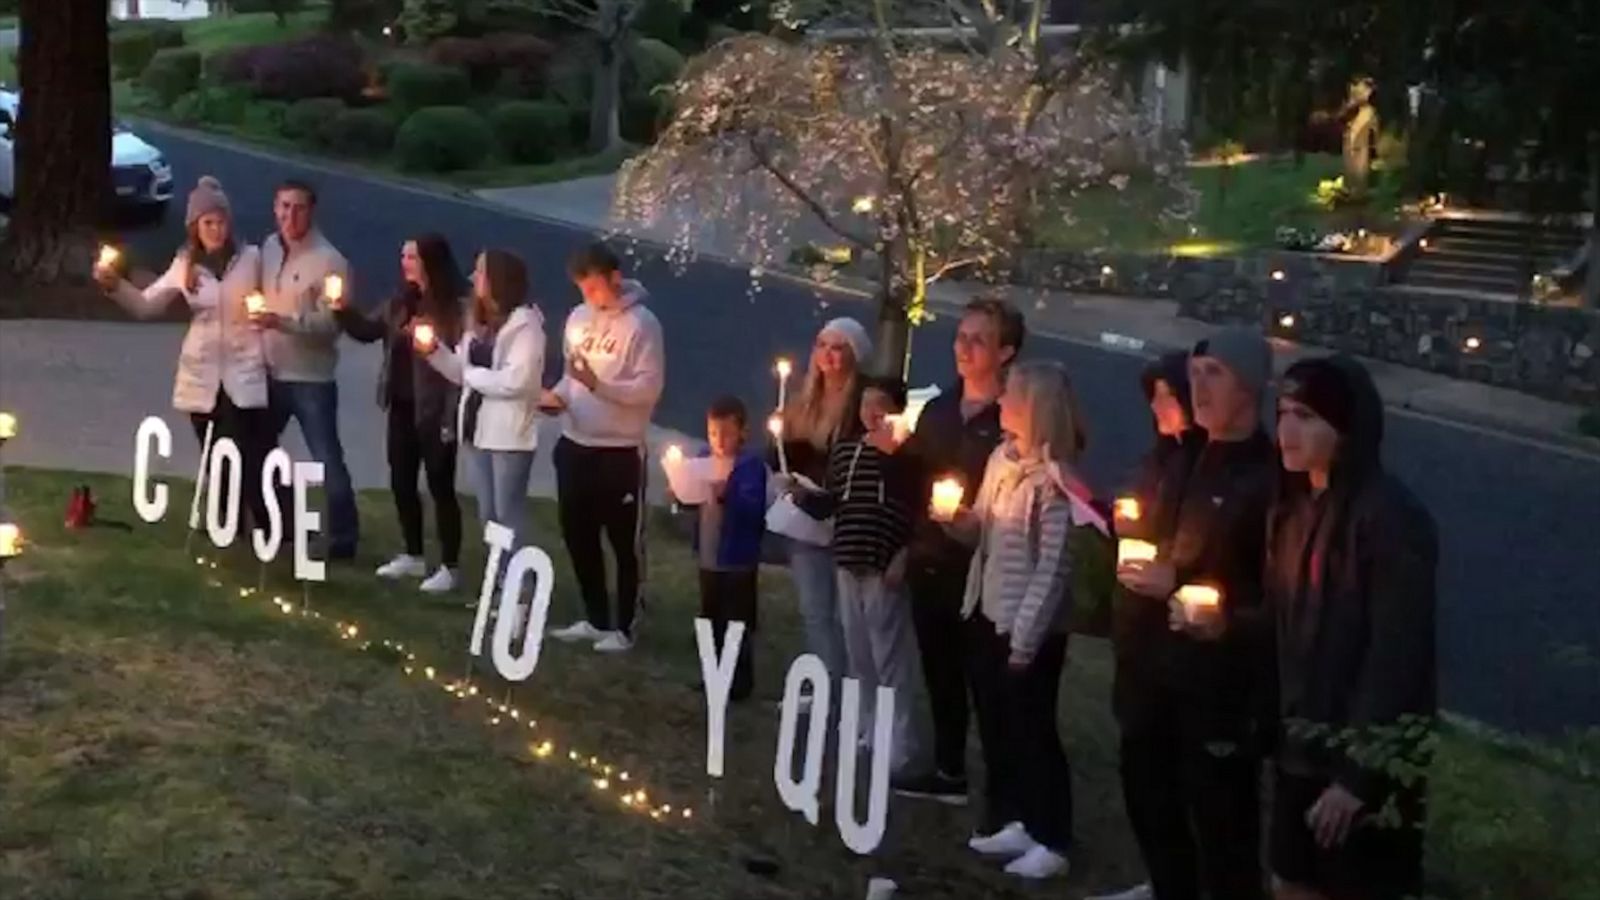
1344 304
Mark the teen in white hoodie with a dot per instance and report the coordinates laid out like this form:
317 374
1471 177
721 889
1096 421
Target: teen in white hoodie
615 370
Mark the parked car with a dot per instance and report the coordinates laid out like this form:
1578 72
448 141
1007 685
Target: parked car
140 175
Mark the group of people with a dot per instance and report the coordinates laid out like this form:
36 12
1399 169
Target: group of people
1317 639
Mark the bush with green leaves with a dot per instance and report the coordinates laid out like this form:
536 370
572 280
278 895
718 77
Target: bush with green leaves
359 132
652 63
415 86
442 139
425 21
662 20
172 73
532 131
307 120
213 104
134 44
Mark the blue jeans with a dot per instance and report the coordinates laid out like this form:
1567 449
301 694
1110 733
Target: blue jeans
315 406
818 589
499 478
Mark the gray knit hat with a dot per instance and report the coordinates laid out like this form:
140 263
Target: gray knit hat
854 334
1245 353
207 197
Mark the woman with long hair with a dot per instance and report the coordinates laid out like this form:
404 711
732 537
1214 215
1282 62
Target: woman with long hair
420 402
1018 614
499 363
1351 567
222 369
824 413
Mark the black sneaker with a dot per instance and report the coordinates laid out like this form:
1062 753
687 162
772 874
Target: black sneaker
937 786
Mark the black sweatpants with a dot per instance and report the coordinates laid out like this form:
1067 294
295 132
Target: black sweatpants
251 430
1026 775
731 597
601 489
936 595
412 448
1191 781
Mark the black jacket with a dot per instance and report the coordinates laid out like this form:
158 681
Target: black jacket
1209 521
945 445
1350 577
433 396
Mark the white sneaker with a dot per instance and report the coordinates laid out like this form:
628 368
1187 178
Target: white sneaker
1011 841
404 566
613 642
440 582
1141 892
1040 862
580 630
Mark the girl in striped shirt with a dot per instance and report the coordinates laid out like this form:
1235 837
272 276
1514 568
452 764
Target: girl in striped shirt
1017 609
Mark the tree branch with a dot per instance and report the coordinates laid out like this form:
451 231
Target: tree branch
817 209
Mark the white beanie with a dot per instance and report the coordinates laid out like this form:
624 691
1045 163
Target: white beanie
854 334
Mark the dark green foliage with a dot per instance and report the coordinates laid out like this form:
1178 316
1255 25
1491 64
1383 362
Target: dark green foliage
532 131
443 139
172 73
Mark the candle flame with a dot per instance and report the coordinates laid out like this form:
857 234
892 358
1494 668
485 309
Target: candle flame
1134 550
333 288
109 255
674 454
10 540
1128 509
947 496
1199 595
784 367
775 425
423 335
255 303
8 426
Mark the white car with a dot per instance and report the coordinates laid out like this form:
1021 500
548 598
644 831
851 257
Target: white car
139 174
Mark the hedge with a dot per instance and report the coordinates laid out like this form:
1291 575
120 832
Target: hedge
442 139
653 63
172 73
359 132
519 59
532 131
134 45
315 66
307 120
415 86
213 104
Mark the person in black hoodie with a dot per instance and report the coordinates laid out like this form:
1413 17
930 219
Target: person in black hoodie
421 402
1350 578
1189 699
955 435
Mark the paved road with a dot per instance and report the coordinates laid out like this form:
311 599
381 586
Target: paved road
1518 521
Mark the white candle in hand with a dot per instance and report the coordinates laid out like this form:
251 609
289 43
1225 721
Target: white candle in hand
673 456
1198 600
775 427
108 255
423 336
255 304
1132 550
784 369
333 291
1128 509
10 540
8 426
946 499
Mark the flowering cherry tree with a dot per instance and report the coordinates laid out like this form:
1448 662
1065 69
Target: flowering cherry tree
925 157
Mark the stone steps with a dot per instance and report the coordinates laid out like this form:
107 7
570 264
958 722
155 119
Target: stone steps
1489 257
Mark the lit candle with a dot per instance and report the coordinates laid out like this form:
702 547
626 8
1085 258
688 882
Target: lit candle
10 540
775 426
108 255
422 334
255 304
1198 599
899 426
1128 509
8 426
784 369
1134 550
333 290
947 495
673 456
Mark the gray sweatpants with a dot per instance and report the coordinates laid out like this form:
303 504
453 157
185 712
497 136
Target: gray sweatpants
881 647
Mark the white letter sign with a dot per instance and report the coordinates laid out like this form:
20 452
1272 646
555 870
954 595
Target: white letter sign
306 520
718 676
511 666
151 504
222 532
275 473
863 837
801 796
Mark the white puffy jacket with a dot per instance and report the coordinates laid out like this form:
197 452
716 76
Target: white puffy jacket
508 418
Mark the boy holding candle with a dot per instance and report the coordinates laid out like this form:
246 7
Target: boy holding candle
869 493
728 535
1190 690
301 338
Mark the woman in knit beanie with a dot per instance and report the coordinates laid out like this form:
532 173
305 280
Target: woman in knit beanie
222 371
1350 580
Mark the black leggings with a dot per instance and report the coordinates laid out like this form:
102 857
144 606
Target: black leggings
251 430
412 447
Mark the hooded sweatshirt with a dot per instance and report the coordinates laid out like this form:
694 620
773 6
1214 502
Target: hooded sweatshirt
625 349
1350 580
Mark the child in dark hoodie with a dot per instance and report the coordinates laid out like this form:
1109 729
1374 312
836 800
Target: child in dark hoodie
728 537
1350 583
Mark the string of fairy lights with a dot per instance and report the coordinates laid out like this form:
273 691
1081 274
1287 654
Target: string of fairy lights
605 777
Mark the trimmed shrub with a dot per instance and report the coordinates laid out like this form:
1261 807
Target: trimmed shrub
315 66
651 63
519 59
214 104
360 132
442 139
307 120
172 73
532 131
570 80
424 21
661 20
416 86
134 44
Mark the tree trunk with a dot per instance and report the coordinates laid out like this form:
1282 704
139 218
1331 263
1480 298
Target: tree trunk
63 143
605 124
892 351
1591 281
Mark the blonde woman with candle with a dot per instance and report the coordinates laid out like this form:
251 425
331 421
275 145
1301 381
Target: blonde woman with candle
825 412
222 368
1017 608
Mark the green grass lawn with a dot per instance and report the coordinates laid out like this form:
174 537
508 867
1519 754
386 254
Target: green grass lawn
1236 209
244 29
165 736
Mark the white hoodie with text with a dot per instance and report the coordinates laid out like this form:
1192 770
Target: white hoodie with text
625 349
